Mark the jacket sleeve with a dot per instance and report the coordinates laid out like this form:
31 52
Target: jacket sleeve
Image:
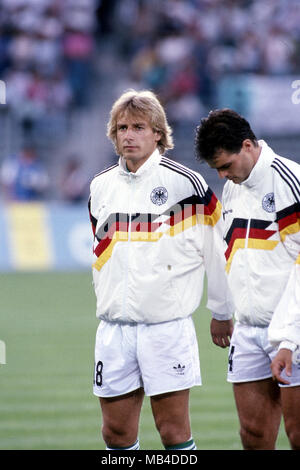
219 300
284 329
92 218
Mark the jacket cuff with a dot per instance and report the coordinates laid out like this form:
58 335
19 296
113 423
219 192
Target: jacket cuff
222 317
288 345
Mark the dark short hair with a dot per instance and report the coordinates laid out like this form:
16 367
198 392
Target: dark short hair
223 129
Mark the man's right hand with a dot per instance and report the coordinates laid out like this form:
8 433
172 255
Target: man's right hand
221 332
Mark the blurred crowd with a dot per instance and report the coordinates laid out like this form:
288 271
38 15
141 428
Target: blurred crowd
46 50
24 177
181 48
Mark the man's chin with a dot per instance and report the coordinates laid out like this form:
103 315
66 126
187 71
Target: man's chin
234 180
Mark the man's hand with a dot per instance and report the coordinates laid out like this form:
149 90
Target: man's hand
282 360
221 332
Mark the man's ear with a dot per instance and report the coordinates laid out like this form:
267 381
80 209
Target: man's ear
247 144
157 135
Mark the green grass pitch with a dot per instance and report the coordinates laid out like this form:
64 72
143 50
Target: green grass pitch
48 324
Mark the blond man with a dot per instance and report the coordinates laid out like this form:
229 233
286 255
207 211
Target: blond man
156 228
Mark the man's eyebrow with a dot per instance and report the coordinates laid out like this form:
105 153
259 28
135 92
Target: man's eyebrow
225 165
137 123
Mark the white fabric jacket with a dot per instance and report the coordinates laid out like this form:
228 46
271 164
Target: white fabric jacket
262 235
156 232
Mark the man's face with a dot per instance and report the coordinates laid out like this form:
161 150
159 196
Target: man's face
136 140
236 166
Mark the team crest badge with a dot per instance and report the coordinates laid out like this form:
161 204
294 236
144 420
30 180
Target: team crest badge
268 202
159 195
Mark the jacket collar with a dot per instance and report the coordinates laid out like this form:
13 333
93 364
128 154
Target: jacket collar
262 165
153 160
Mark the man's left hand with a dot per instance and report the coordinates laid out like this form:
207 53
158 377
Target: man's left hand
282 360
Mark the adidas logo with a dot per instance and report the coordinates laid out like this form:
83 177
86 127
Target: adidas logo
179 369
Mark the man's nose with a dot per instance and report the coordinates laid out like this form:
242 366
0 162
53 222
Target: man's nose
128 133
222 173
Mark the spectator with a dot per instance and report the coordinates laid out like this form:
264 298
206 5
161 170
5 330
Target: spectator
24 177
78 48
75 183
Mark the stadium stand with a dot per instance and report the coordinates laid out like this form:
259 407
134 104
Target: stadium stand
64 62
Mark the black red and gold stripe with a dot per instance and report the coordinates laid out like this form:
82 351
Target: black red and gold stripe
288 220
258 237
144 227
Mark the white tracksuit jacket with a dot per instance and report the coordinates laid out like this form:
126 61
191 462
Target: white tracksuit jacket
262 235
156 232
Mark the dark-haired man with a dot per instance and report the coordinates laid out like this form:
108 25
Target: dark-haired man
261 211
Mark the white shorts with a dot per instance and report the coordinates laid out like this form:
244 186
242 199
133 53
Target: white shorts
251 354
160 358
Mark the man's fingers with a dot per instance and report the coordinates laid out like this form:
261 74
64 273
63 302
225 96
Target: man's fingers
276 373
288 368
221 341
279 379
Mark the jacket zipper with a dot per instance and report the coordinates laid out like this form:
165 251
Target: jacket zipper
247 268
128 246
